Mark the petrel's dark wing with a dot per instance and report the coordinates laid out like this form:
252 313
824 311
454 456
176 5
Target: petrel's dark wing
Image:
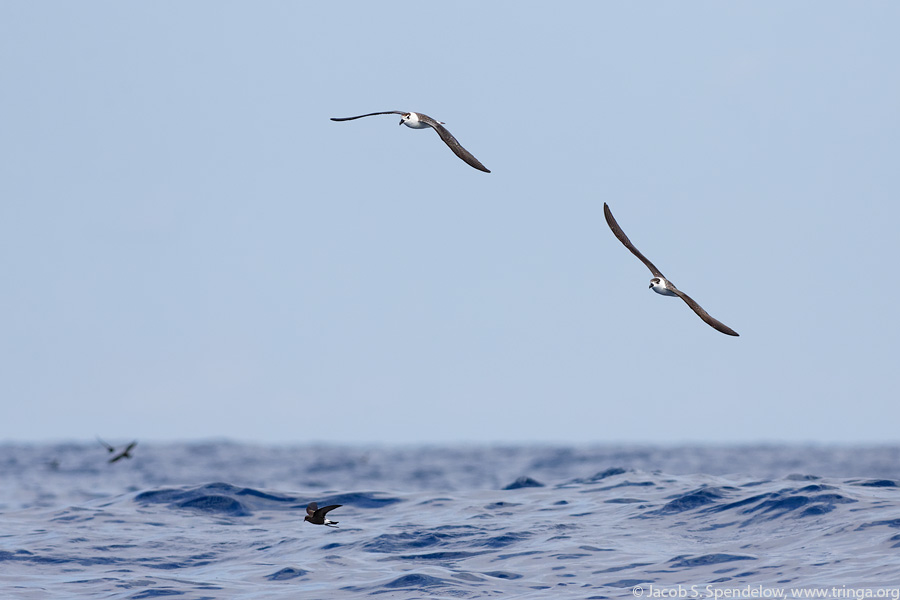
611 221
453 144
130 447
311 508
389 112
714 323
105 445
320 513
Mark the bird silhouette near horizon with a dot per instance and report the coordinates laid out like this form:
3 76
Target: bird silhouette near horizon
126 453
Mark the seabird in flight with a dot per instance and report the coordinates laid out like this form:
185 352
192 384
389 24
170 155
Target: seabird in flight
420 121
659 283
316 515
126 453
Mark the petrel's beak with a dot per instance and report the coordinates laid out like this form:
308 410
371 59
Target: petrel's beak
651 286
401 122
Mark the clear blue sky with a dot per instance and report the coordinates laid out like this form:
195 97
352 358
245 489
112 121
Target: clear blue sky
189 248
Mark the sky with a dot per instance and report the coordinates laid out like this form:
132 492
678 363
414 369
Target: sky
191 249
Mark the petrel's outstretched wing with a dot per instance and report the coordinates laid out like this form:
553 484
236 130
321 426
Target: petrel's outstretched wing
453 144
714 323
611 221
321 512
311 508
389 112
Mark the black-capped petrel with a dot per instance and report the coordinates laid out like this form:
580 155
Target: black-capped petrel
126 453
420 121
659 283
316 515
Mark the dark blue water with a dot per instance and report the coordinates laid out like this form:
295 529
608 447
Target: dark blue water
224 520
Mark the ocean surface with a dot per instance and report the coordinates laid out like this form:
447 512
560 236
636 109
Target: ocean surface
225 520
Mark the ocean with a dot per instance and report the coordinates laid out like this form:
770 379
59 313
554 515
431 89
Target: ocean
219 519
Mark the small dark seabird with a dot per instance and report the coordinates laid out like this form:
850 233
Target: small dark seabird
420 121
659 283
316 515
126 453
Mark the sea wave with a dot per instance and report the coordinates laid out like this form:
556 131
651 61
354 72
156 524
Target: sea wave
594 535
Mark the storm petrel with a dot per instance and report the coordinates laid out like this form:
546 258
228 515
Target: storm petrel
420 121
126 453
659 283
316 515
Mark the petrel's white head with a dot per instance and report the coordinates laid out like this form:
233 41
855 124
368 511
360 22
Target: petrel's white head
415 120
661 286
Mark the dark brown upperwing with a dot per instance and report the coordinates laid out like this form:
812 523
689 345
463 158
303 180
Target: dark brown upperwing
320 513
714 323
454 145
611 221
389 112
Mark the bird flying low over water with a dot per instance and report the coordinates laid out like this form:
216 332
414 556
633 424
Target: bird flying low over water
420 121
316 515
126 453
659 283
